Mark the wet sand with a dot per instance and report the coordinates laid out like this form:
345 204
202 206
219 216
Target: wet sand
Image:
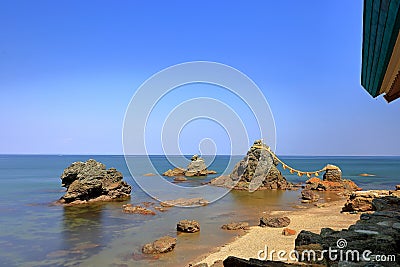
312 219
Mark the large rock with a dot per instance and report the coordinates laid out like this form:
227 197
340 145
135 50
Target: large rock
332 173
378 232
188 226
91 181
162 245
257 170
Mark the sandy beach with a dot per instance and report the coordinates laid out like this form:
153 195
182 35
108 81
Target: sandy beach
312 219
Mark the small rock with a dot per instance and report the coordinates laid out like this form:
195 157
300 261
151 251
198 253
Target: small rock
307 194
128 208
276 222
366 174
188 226
236 226
161 245
180 179
288 231
398 187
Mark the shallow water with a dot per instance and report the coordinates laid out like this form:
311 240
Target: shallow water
36 233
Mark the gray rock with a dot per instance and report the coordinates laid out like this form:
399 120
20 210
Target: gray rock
308 194
91 181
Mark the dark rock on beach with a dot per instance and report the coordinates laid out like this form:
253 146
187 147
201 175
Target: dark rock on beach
232 261
256 171
276 222
378 232
90 181
162 245
188 226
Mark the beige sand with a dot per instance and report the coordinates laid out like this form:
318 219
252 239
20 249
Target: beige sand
312 219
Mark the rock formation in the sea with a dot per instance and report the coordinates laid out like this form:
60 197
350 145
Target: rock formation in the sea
188 226
196 167
256 171
332 181
90 181
377 232
162 245
362 201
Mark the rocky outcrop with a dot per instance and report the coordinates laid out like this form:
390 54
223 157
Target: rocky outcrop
196 167
174 172
188 226
275 222
90 181
332 181
377 232
362 201
129 208
236 226
256 171
163 245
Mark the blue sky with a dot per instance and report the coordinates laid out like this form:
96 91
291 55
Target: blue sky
68 70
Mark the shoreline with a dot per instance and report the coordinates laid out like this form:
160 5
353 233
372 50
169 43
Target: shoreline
248 245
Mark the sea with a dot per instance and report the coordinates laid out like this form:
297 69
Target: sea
35 232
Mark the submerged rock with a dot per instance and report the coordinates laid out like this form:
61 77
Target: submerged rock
90 181
129 208
188 226
256 171
162 245
185 202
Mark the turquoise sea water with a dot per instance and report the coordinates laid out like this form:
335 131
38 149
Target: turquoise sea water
33 232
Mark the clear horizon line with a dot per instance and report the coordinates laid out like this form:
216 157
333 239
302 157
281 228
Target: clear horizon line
282 155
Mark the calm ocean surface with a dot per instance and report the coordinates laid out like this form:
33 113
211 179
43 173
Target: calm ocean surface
35 233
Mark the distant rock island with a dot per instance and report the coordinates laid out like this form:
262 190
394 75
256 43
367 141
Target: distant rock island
196 167
257 170
90 181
